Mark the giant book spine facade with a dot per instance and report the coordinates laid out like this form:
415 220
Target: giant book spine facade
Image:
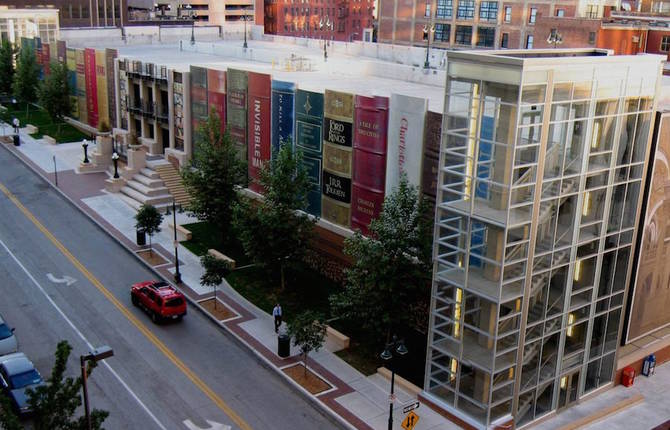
110 56
337 157
101 87
71 64
260 88
216 94
283 101
370 146
199 111
405 141
91 87
81 85
309 140
236 99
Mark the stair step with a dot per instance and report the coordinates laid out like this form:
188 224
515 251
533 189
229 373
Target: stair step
147 191
142 199
130 201
150 173
149 182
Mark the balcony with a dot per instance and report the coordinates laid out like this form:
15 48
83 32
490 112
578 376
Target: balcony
147 72
151 110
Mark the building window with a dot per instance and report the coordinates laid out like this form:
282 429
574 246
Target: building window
592 11
533 15
488 10
560 13
504 41
592 37
466 9
529 41
442 32
665 43
486 36
463 35
444 9
508 13
427 14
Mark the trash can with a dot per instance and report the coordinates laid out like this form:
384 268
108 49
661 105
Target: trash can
649 365
17 140
141 238
628 376
283 345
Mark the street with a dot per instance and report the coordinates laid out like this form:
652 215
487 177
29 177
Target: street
64 278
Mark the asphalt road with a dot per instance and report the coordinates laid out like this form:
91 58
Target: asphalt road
173 376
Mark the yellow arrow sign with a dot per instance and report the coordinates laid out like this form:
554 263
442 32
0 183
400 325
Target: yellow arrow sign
410 421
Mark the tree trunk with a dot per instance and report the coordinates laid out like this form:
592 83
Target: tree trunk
151 251
305 365
281 269
214 297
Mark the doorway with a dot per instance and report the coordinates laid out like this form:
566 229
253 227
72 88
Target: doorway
568 390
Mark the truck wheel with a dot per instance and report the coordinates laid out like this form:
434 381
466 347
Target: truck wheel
155 318
135 300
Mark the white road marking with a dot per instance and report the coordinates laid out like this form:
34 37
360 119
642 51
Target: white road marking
213 425
69 280
82 337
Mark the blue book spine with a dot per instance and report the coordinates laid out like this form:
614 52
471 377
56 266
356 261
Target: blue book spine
283 114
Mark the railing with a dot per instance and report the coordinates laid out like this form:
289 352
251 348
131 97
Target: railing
149 110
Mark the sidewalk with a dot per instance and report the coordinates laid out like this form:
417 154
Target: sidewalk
355 400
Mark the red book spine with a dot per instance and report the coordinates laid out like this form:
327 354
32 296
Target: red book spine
258 114
91 87
370 145
216 94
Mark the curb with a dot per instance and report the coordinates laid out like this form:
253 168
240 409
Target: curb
306 394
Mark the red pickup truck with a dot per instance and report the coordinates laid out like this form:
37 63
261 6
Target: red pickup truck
158 299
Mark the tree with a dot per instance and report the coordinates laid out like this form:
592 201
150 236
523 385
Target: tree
216 271
308 332
148 220
275 233
212 176
391 269
26 77
54 93
6 66
55 403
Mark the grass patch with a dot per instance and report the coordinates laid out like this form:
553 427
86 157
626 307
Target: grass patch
41 119
306 289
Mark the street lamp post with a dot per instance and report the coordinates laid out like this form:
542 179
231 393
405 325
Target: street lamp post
96 355
177 275
427 31
115 159
244 18
394 347
329 25
85 146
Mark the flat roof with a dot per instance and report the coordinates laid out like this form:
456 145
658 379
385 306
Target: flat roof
324 75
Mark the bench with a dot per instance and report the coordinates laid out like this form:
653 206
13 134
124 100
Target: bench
31 129
336 341
400 381
50 140
183 233
218 255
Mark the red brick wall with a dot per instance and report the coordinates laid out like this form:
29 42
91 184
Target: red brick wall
574 31
654 38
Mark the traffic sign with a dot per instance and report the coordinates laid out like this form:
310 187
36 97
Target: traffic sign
410 407
410 421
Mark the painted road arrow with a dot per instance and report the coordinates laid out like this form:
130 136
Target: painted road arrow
213 425
64 280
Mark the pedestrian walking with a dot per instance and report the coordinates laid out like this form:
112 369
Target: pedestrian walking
276 312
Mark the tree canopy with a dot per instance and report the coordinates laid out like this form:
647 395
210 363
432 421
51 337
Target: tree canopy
308 332
26 77
6 66
275 232
212 177
148 220
54 93
391 268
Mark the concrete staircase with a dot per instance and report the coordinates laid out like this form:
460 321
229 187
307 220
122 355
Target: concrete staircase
172 180
146 187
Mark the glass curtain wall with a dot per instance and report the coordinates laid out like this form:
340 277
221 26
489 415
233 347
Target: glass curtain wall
538 198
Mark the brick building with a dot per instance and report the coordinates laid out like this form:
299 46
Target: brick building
340 20
478 23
